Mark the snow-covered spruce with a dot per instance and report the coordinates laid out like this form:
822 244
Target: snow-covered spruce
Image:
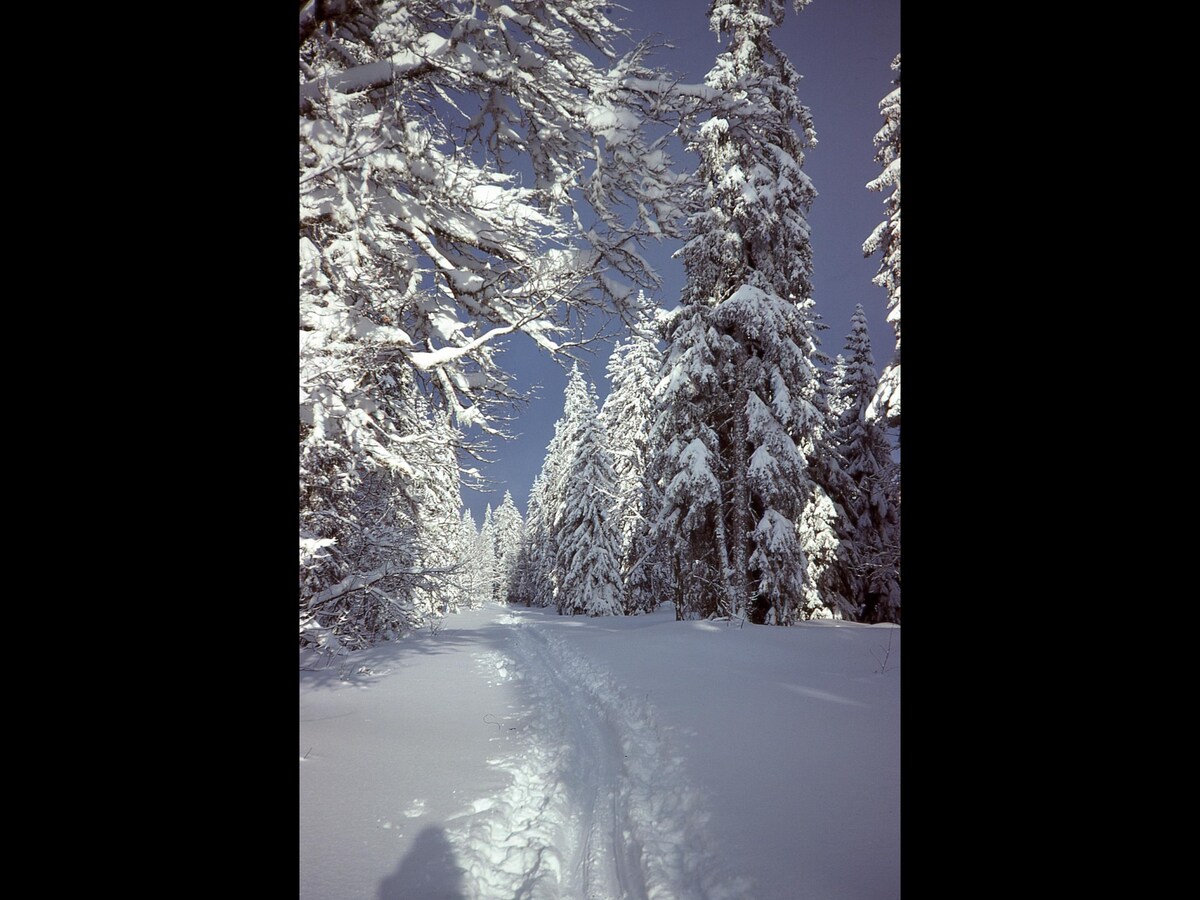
589 541
570 556
504 544
866 487
537 577
628 415
598 804
740 415
886 239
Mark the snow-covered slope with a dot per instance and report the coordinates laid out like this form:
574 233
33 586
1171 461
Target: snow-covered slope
521 754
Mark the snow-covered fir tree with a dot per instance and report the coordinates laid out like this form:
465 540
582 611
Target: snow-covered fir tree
737 396
886 239
487 551
505 546
440 561
588 545
371 559
472 582
531 576
822 596
420 247
868 491
628 414
685 555
539 578
833 393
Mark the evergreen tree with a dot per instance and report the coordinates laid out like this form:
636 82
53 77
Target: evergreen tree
740 386
822 595
506 546
472 582
487 552
686 554
419 248
372 562
886 238
439 498
540 577
627 415
531 575
868 491
588 539
835 392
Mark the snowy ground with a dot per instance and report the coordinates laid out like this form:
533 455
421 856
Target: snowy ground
518 753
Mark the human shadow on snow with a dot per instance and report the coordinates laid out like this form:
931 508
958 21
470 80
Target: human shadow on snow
429 871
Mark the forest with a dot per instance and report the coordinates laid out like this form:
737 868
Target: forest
472 171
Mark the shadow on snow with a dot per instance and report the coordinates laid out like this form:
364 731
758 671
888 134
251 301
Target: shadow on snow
361 667
429 871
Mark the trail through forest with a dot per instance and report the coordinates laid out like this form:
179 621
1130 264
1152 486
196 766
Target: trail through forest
598 805
517 753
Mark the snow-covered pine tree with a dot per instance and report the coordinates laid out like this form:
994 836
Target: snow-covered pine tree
419 248
817 528
506 545
471 583
886 238
530 579
487 552
627 415
825 530
439 498
369 556
685 555
867 489
588 559
739 383
834 391
538 582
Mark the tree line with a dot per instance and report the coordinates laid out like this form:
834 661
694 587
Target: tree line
467 173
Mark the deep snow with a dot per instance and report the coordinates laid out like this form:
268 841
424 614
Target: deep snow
517 753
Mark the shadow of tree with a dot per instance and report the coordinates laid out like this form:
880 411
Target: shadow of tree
333 672
429 871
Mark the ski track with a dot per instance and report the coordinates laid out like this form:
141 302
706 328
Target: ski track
597 806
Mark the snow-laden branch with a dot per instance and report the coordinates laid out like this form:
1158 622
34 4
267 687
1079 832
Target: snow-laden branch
432 359
358 582
406 64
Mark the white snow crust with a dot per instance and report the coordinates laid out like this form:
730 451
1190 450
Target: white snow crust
517 753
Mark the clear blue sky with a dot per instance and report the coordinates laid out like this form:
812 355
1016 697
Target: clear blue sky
843 49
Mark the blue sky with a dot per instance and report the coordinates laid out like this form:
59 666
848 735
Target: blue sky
844 49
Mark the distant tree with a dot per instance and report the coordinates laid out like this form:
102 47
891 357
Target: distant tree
472 581
539 579
834 392
506 545
531 582
869 492
588 557
822 595
439 498
886 239
487 552
627 415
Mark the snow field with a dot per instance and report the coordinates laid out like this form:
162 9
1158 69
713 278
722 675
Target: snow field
516 753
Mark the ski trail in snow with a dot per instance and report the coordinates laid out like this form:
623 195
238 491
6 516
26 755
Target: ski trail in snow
597 806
